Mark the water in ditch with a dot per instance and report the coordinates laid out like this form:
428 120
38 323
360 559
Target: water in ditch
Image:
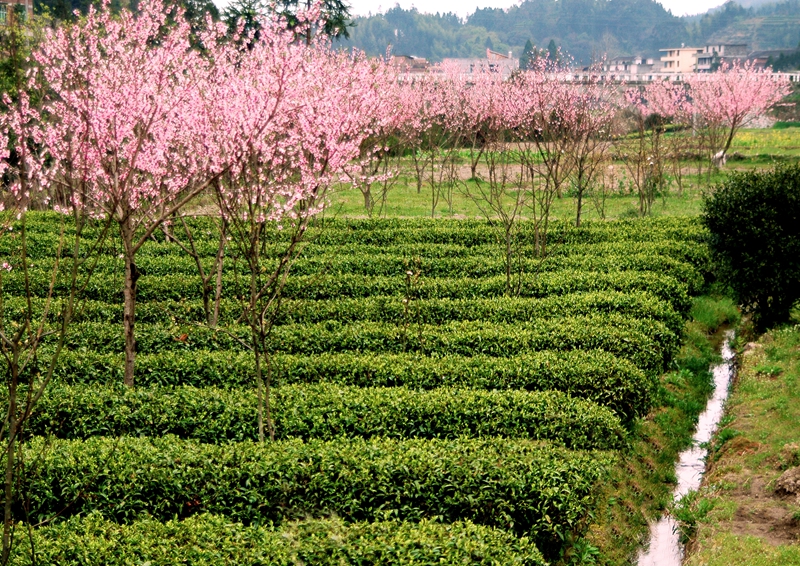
665 548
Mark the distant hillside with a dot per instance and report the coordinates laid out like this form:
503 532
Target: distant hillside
754 3
585 29
431 36
770 26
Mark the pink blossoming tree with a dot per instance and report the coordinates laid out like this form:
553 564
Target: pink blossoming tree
290 119
27 320
127 126
731 98
653 107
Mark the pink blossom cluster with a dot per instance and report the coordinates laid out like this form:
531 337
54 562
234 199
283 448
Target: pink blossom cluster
736 94
137 120
482 103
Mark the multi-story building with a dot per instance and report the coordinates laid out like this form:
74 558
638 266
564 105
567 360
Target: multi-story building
495 62
679 59
635 65
409 64
713 56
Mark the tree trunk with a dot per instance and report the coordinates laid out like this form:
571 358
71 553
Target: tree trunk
509 259
368 202
129 303
580 197
474 161
259 390
218 287
219 261
10 462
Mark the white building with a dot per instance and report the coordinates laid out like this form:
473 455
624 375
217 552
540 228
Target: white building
679 59
494 62
713 55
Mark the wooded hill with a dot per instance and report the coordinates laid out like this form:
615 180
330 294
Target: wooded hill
585 29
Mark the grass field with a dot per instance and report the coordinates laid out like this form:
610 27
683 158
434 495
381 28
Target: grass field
751 149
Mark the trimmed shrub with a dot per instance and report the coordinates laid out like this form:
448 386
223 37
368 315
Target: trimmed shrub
324 411
648 344
108 287
211 540
754 224
391 309
596 375
524 486
395 265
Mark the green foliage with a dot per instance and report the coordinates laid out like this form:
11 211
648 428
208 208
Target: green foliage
445 401
391 309
334 13
433 36
474 266
537 490
696 353
595 375
691 252
210 540
158 258
583 28
711 312
690 510
754 224
17 39
647 343
324 411
108 287
635 26
529 52
769 370
248 14
470 233
495 310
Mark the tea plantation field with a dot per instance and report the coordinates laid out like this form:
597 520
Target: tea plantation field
422 414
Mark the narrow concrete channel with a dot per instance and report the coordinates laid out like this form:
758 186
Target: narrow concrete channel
665 548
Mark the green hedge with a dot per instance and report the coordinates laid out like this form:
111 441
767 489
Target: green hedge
694 253
649 344
108 288
155 258
546 284
402 233
391 309
386 265
324 411
209 540
525 486
424 230
497 309
478 232
595 375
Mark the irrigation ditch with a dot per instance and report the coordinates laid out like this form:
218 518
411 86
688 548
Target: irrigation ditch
665 547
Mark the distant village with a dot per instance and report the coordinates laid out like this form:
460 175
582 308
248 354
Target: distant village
672 65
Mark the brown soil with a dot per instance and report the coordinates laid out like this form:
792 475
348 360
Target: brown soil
766 518
760 510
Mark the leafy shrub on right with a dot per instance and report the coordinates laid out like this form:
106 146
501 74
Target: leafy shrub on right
754 224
